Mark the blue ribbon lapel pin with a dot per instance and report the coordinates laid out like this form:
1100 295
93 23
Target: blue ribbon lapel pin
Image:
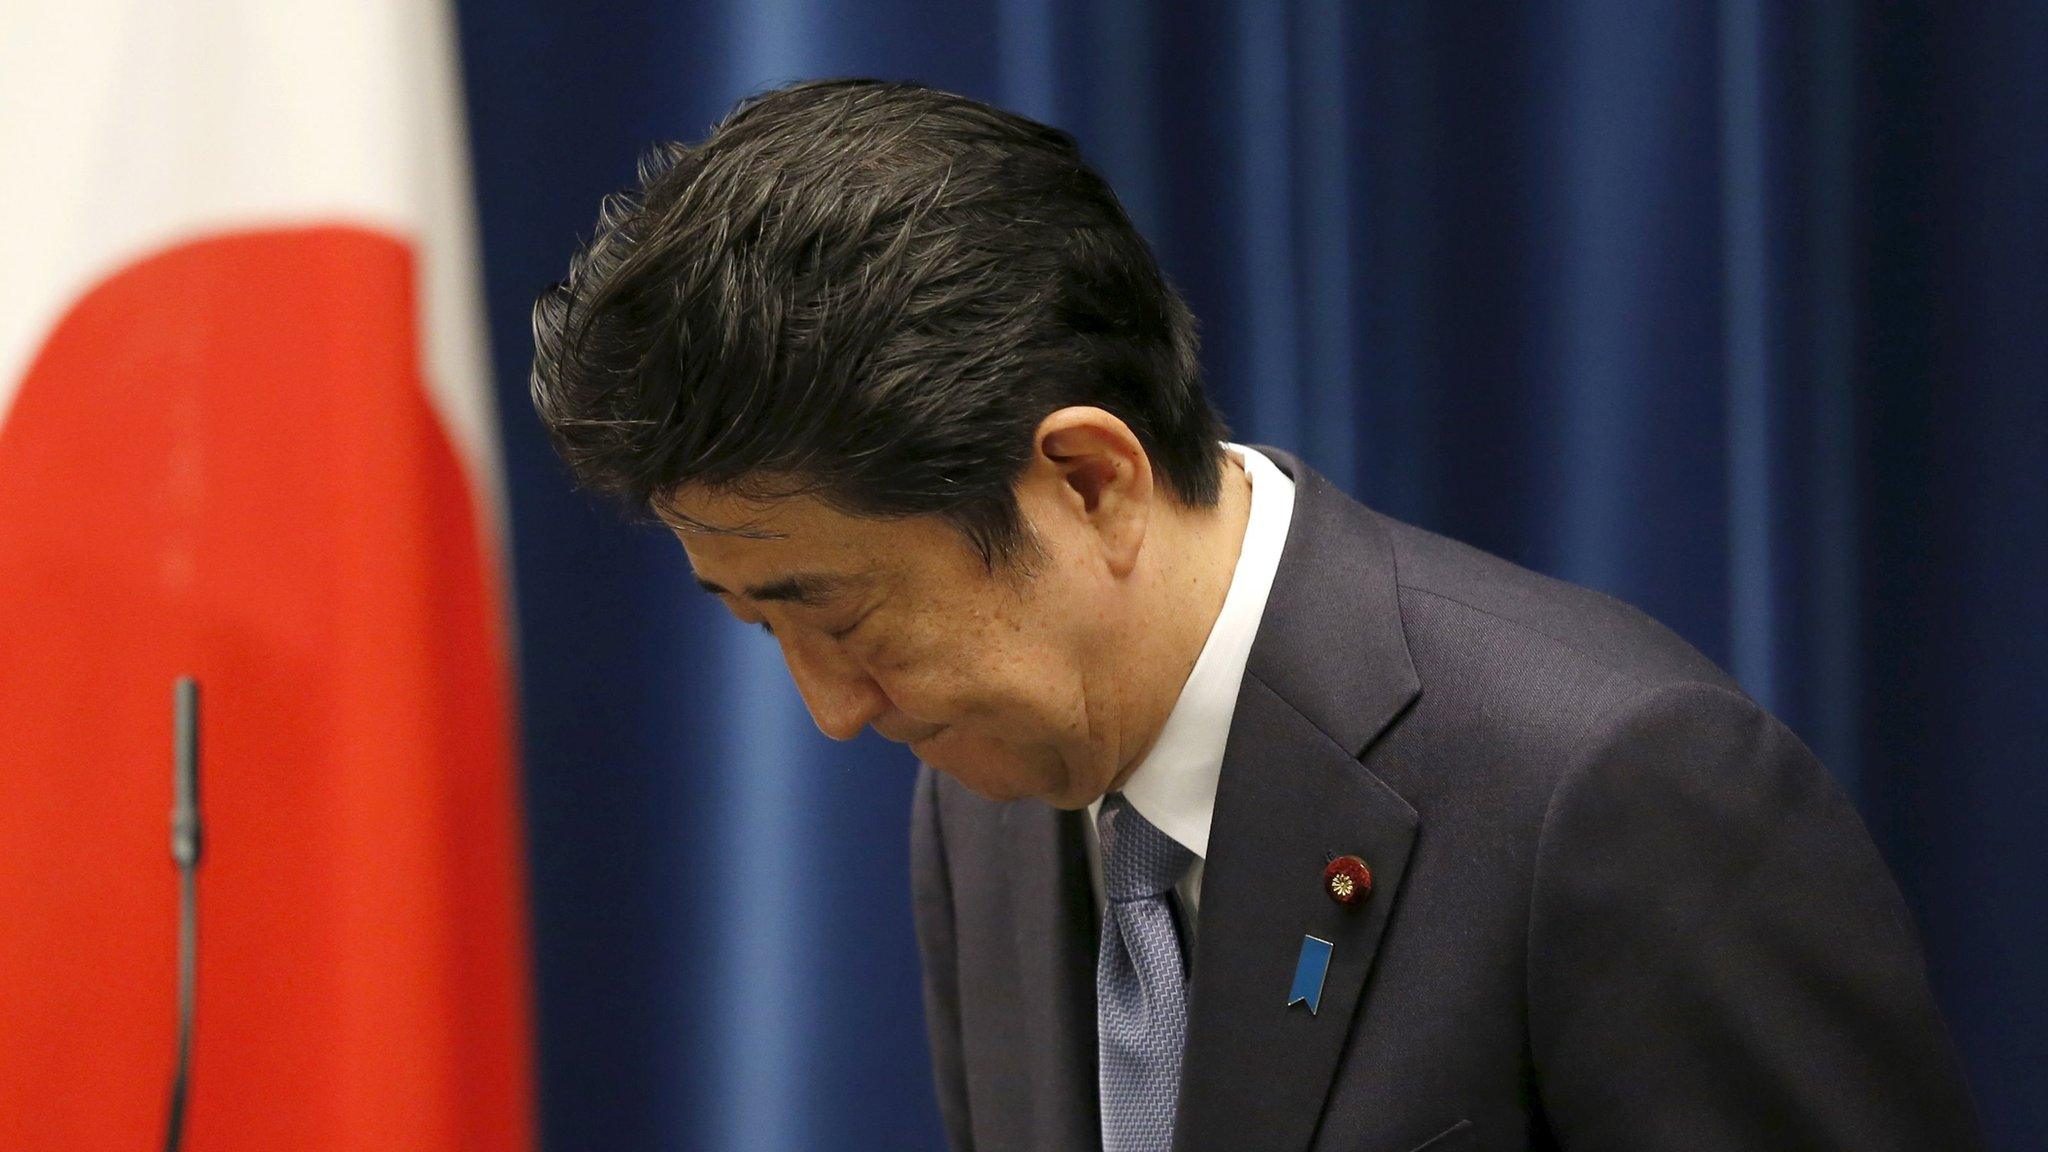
1309 972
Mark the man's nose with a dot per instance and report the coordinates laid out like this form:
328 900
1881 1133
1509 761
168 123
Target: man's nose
841 697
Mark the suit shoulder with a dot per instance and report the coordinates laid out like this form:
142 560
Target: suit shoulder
1524 680
1446 585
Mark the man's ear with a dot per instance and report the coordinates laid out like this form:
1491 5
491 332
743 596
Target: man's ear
1092 467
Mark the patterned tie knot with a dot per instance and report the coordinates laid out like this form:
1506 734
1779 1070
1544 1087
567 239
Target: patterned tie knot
1138 860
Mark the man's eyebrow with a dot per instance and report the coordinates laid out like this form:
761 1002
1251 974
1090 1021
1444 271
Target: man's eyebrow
805 588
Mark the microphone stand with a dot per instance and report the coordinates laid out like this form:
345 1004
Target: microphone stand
185 850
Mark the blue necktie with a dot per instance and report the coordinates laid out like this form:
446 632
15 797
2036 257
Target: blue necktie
1141 1006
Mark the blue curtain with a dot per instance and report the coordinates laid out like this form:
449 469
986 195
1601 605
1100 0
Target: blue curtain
1734 310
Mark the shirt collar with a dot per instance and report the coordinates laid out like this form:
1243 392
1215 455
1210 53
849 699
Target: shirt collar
1174 787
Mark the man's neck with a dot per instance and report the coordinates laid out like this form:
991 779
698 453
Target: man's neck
1189 588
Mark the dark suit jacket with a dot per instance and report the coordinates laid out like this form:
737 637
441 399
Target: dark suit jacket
1616 905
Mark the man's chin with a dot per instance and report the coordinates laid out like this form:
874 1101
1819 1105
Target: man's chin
990 771
996 791
977 779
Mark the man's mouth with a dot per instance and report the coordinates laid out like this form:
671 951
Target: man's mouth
913 738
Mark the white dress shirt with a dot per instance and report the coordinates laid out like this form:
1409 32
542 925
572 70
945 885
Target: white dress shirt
1174 787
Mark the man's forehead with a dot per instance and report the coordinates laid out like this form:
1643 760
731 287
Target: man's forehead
788 558
697 511
799 548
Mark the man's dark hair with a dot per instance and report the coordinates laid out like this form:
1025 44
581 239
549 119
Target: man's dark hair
872 292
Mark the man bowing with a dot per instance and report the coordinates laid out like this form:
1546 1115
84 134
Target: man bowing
1250 818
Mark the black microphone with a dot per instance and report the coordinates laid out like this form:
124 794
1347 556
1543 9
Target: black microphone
186 842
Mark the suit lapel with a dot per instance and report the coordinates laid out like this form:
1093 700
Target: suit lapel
1290 799
1055 938
1328 672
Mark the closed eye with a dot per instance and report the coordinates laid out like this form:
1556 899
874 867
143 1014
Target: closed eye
850 629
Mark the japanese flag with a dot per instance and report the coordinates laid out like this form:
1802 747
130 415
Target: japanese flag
246 435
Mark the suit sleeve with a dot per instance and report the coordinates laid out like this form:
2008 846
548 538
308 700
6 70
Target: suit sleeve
1718 957
932 900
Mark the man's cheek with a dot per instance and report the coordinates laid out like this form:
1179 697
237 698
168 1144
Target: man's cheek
939 696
